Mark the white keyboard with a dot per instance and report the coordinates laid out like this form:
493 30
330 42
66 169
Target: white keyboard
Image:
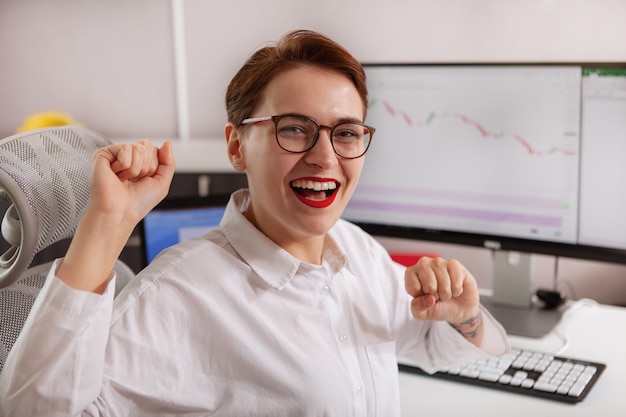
528 372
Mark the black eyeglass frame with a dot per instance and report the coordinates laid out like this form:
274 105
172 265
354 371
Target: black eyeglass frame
254 120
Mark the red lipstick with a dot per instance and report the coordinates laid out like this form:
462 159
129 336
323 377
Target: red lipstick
316 198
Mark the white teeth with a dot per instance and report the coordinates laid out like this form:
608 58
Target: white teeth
314 185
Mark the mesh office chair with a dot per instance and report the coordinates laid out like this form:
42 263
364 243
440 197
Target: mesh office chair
44 186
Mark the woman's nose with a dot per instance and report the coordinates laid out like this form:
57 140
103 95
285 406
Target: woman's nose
322 153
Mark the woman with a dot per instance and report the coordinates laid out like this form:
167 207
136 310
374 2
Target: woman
283 310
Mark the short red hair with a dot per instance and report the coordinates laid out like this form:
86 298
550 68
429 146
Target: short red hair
294 49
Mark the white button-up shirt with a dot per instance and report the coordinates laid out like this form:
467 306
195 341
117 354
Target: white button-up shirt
230 324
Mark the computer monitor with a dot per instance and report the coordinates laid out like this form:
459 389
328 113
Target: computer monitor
517 158
178 219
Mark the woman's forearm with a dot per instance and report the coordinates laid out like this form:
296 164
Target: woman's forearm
97 244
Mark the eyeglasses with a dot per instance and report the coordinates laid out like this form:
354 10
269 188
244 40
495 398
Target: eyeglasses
297 134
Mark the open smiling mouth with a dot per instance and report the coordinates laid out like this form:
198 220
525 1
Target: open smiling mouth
317 194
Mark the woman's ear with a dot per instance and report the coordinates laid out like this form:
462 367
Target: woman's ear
233 146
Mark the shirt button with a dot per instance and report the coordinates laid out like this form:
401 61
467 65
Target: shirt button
325 289
358 390
343 338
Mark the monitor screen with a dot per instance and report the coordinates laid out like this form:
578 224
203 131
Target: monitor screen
177 220
524 157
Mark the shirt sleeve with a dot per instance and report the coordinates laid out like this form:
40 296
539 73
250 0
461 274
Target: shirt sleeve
56 366
442 346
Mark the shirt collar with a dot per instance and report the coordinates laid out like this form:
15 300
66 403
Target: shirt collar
273 264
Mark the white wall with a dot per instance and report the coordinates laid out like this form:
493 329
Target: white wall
221 37
107 63
112 65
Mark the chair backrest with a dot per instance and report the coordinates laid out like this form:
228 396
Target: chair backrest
44 186
45 176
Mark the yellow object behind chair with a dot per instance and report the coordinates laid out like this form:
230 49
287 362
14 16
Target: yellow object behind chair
46 119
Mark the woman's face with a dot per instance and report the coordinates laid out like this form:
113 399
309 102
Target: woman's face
284 206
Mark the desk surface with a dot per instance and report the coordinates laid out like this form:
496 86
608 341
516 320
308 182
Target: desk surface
587 331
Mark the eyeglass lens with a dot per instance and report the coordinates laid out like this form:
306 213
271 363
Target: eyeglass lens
299 134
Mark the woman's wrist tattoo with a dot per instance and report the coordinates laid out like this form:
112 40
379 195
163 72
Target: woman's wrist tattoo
470 327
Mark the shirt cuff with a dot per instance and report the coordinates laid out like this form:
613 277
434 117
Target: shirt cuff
69 301
495 341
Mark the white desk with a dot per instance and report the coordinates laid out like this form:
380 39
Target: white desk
595 333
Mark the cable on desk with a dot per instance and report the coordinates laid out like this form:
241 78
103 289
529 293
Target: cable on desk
560 330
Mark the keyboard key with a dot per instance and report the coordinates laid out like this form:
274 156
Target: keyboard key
545 386
563 390
521 375
505 379
489 376
469 373
577 389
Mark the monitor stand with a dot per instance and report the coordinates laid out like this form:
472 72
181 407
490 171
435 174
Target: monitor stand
511 303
